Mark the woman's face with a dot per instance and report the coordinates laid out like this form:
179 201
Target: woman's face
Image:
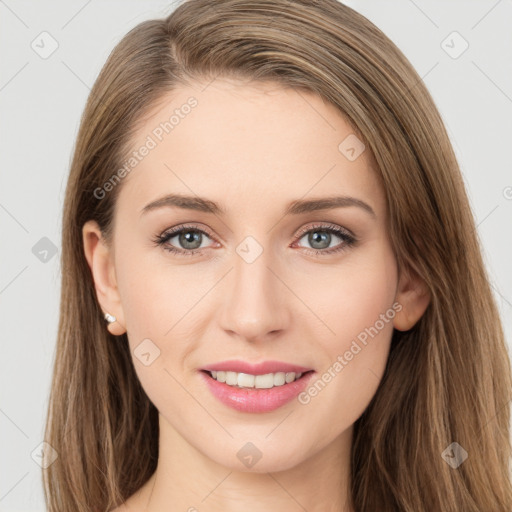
264 270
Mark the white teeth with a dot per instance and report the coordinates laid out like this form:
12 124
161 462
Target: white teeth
264 381
279 379
246 380
231 378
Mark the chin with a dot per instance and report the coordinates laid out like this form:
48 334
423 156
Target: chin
251 459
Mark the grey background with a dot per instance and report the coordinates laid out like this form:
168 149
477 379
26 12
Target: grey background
41 101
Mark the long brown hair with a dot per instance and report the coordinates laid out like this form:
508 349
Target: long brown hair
447 380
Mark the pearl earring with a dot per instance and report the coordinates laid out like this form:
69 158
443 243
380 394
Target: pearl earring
110 318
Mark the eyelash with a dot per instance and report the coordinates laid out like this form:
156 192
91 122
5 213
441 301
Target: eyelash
348 239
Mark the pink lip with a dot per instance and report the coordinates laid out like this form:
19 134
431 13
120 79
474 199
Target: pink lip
255 369
256 400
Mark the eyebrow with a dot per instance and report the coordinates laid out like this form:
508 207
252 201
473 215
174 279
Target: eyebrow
294 208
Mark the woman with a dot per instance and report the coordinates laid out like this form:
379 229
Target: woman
273 296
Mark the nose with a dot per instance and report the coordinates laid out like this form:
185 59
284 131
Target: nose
255 306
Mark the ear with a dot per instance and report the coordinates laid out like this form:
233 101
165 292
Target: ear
101 262
414 297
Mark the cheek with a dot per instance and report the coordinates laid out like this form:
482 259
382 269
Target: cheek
164 310
356 303
352 296
155 296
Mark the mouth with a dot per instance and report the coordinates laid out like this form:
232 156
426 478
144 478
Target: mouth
255 388
251 381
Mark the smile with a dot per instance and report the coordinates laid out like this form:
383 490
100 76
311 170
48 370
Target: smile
246 380
262 391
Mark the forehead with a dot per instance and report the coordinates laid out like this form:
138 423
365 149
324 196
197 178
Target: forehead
251 145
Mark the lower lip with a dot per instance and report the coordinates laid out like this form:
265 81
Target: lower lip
256 400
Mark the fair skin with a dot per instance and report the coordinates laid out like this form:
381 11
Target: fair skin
252 149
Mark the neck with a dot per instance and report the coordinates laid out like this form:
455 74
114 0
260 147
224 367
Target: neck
187 480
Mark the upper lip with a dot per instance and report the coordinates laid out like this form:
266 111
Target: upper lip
256 368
